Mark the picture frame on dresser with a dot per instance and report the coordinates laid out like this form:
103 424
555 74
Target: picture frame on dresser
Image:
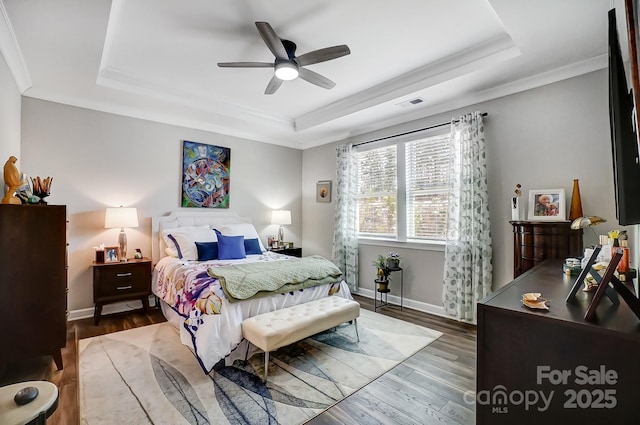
111 254
547 205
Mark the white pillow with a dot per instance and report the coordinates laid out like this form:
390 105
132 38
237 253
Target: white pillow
245 229
181 242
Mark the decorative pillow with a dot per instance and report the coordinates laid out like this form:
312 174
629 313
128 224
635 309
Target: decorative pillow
181 242
252 246
231 247
245 229
207 251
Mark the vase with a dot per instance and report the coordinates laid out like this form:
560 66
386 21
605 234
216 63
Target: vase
576 202
517 209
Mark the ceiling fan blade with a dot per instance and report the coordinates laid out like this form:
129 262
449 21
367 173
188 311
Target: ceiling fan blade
315 78
323 55
245 65
273 85
272 40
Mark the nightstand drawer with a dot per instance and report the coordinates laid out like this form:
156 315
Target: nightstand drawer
124 272
123 286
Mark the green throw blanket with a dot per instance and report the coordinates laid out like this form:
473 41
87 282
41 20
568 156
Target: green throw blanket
243 281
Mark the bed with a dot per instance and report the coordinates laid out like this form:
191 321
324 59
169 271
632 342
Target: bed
195 286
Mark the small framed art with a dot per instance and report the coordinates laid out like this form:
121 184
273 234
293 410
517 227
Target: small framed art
111 254
547 205
323 191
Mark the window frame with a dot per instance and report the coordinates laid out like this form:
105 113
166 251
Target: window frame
401 241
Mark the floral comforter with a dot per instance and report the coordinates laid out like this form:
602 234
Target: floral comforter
211 324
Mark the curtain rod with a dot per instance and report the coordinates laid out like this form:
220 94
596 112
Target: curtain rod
484 114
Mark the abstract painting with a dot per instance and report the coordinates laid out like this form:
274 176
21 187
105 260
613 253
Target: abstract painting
205 175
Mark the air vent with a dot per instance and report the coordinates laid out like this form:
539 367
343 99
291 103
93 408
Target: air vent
411 102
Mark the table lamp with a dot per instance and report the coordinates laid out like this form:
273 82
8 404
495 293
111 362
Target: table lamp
281 217
121 217
584 222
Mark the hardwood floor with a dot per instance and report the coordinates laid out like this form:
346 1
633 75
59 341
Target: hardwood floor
427 388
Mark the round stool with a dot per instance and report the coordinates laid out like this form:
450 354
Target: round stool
35 412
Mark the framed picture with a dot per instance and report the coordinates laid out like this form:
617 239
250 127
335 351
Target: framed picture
547 205
270 240
323 191
111 254
205 175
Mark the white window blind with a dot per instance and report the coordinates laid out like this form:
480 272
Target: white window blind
377 192
427 179
415 209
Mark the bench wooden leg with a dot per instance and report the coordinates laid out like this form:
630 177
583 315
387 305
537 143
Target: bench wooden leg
266 365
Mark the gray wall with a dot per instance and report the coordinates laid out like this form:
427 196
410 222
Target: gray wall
100 160
9 119
541 138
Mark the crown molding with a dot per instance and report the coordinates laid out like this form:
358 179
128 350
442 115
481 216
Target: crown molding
246 127
468 60
225 108
576 69
11 52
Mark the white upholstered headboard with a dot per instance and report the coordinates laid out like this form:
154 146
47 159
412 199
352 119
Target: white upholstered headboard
187 217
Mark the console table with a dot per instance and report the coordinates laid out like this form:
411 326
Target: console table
589 371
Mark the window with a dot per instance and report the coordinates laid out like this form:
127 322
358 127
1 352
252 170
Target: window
402 189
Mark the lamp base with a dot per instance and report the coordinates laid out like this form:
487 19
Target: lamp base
122 242
280 235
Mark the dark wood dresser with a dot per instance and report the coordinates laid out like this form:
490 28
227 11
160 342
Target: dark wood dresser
536 241
33 281
588 372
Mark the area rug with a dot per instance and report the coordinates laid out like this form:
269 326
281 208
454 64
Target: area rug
146 376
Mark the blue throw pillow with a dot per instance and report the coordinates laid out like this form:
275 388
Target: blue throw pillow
207 251
251 246
231 247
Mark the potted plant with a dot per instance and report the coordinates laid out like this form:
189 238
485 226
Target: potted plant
393 260
383 272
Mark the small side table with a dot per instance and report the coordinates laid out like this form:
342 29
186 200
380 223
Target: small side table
34 413
385 292
294 252
121 281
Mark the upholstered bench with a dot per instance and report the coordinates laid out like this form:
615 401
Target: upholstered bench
279 328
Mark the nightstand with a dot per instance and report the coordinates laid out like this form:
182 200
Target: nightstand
294 252
113 282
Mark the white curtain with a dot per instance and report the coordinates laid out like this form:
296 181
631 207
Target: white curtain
345 236
468 271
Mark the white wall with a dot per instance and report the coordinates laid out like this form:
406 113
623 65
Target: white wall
541 138
9 119
100 160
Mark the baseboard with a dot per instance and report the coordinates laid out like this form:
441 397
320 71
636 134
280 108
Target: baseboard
436 310
120 307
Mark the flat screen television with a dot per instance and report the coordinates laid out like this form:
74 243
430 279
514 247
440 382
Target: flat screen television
624 139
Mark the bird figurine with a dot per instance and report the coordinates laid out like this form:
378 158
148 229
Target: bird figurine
12 180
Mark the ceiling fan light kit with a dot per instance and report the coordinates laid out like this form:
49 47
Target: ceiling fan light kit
287 66
286 71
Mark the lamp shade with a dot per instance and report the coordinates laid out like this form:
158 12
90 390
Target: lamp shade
121 218
584 222
281 217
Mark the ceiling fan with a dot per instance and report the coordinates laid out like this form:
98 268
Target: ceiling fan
287 65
